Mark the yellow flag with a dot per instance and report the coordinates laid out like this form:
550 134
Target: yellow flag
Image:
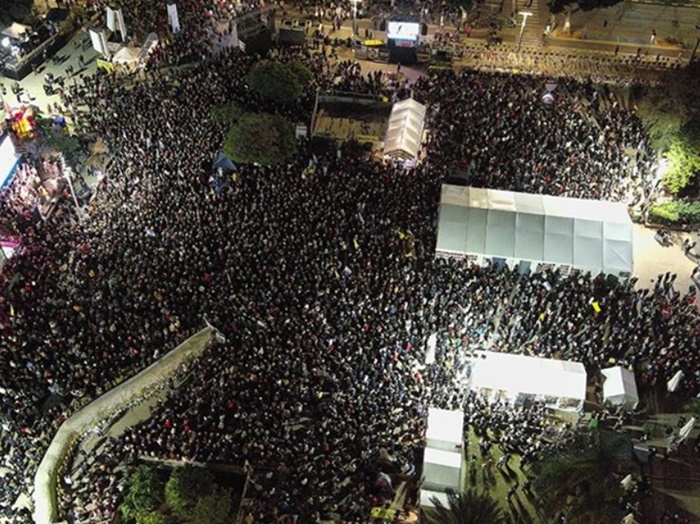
596 307
12 311
354 241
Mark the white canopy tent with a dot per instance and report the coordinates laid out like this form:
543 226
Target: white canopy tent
589 235
620 387
16 30
444 429
127 55
405 130
441 470
560 384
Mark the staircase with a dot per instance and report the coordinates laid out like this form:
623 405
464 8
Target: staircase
532 37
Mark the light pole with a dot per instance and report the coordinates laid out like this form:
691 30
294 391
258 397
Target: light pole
354 18
524 14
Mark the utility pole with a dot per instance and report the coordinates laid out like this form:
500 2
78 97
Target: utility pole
354 19
524 14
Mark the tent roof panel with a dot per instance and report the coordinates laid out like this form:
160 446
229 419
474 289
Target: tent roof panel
543 228
530 375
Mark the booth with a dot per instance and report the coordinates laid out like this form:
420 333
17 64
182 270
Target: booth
519 379
620 387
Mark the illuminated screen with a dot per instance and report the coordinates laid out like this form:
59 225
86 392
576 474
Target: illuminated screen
8 160
403 30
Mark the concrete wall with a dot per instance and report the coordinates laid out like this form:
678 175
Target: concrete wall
99 411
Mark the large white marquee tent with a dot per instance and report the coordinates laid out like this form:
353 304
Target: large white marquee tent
518 227
405 130
561 384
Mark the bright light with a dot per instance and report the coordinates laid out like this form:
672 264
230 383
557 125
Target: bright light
6 41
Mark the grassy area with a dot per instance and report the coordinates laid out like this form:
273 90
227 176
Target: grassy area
501 484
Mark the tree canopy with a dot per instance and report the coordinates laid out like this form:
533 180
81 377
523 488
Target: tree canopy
583 478
144 495
260 138
683 163
277 82
465 507
185 487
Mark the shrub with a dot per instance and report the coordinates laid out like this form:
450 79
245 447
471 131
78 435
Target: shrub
676 212
260 138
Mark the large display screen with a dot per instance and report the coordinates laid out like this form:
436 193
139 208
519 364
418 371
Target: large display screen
403 30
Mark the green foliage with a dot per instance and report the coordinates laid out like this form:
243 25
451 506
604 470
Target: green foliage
144 495
667 213
683 159
185 487
302 73
465 507
260 138
275 82
582 479
693 407
212 509
226 114
14 11
152 518
665 109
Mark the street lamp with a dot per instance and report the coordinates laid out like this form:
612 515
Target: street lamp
354 18
524 14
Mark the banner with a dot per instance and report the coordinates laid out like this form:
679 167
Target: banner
121 26
104 64
111 19
173 19
99 41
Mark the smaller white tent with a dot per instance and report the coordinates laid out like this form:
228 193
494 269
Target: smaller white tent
444 429
405 130
441 470
620 387
127 55
16 30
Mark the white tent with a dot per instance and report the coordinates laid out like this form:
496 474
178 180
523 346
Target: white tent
441 470
444 429
16 30
405 130
559 383
589 235
620 387
127 55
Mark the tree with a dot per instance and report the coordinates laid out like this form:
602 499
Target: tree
275 82
212 509
583 480
302 73
185 487
144 494
152 518
226 114
466 507
260 138
683 164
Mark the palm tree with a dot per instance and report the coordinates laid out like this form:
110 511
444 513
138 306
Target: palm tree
465 507
583 481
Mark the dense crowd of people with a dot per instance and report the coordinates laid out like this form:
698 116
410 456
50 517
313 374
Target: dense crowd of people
320 274
506 135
